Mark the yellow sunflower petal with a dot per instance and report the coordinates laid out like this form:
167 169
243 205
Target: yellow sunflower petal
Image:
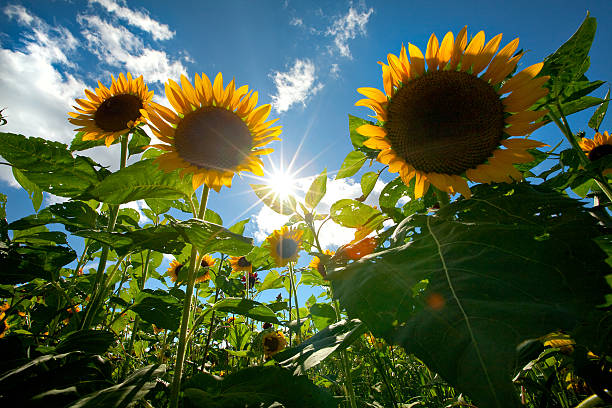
417 61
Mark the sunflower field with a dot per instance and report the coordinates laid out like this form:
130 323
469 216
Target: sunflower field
481 279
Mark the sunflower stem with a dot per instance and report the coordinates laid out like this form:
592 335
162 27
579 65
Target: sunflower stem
212 320
182 346
563 125
297 307
112 220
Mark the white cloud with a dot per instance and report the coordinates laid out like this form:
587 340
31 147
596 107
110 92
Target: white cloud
296 22
119 47
332 235
295 86
36 95
348 27
138 19
334 71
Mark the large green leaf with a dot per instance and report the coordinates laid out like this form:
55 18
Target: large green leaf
142 180
162 238
568 63
49 165
126 394
33 190
600 113
353 214
351 164
159 308
317 190
248 308
271 199
317 348
89 341
260 387
209 237
24 263
514 262
74 215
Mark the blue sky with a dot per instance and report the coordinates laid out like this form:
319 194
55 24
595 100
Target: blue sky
306 58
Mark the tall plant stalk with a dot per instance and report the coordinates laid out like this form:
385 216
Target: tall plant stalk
98 287
182 346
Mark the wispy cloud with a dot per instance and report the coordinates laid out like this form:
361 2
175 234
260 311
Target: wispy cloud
332 235
119 47
348 27
296 22
138 19
295 86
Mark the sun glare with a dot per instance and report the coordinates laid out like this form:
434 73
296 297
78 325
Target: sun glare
283 184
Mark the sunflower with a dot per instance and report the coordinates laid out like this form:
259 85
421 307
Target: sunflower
598 147
110 113
441 124
320 266
273 342
174 269
285 245
4 326
240 263
214 133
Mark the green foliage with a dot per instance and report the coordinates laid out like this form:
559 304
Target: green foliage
484 262
267 195
368 181
142 180
88 341
50 165
317 190
353 214
311 352
265 386
357 139
351 164
33 190
247 308
210 238
79 144
600 113
138 142
158 308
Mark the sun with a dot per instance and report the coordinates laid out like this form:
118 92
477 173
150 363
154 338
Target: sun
282 184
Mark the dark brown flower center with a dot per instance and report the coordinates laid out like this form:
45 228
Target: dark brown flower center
445 122
115 112
600 151
213 138
271 343
286 248
243 263
204 263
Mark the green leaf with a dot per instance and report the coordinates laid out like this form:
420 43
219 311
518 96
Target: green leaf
238 228
158 308
25 263
567 64
213 217
264 386
389 196
79 144
89 341
312 351
158 206
126 394
272 281
34 192
209 238
351 164
353 214
138 142
512 263
49 165
538 157
317 190
322 314
248 308
74 215
600 113
163 238
273 201
368 181
141 180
